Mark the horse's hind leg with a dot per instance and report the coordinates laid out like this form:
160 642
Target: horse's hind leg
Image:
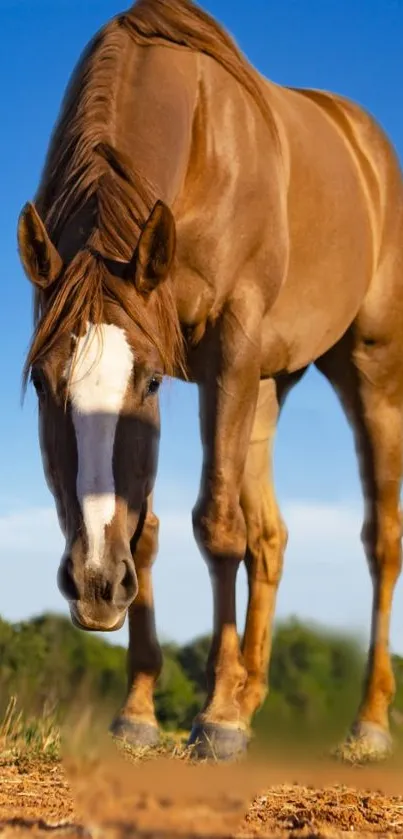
137 723
366 369
266 543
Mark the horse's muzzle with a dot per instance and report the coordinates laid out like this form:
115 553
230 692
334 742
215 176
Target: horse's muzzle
100 594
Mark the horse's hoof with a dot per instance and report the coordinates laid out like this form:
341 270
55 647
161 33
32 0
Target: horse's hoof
375 738
141 735
218 742
367 742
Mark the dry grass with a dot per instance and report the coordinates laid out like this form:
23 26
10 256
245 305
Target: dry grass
357 753
23 738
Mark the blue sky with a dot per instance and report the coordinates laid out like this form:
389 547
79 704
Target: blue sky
349 46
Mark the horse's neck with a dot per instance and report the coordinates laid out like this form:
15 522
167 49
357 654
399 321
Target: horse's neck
154 117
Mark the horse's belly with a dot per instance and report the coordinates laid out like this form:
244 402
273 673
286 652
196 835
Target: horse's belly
301 327
326 283
332 250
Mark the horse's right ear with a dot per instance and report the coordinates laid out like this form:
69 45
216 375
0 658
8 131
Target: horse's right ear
41 260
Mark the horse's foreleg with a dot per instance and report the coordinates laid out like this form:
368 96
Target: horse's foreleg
137 723
228 396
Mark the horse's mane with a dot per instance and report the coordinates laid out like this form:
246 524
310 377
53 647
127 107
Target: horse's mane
83 169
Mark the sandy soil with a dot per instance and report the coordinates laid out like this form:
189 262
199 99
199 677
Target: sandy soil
171 799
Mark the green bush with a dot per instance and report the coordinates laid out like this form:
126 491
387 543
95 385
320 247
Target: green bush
175 697
315 683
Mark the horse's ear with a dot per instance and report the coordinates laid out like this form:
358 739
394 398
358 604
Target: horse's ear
41 260
155 250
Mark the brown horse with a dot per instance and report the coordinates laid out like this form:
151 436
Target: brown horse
198 221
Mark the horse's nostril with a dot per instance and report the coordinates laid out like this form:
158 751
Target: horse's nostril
106 592
128 581
65 580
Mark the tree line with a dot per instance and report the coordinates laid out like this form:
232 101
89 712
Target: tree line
315 676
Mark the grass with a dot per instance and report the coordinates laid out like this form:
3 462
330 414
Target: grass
358 753
172 746
24 738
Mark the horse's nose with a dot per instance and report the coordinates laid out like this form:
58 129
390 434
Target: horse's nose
99 594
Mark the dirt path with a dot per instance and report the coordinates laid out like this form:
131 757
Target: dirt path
44 799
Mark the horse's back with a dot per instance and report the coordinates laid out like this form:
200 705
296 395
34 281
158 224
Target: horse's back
375 156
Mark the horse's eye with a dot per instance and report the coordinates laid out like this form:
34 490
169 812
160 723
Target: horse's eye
37 380
153 386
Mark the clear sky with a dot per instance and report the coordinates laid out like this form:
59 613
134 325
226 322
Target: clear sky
353 47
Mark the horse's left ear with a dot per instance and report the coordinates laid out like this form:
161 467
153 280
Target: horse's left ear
155 250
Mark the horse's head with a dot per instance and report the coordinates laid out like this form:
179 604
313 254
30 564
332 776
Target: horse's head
96 373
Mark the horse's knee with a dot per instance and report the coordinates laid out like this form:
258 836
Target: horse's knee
152 529
151 525
219 528
382 544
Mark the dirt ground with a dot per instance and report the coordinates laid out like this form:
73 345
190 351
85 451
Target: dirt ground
89 800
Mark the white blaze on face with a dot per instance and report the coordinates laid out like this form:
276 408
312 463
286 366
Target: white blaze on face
102 369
